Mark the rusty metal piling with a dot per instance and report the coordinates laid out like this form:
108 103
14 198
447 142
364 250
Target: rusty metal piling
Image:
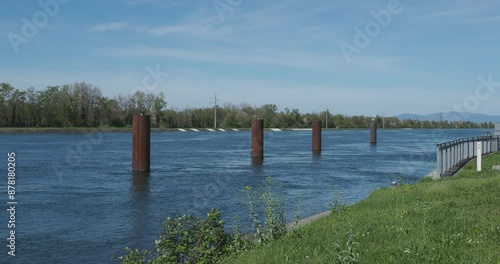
373 132
141 143
258 138
316 137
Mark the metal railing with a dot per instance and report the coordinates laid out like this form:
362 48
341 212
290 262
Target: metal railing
457 152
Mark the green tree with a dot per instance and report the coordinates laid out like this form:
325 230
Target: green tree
158 105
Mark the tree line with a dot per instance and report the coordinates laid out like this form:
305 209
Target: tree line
83 105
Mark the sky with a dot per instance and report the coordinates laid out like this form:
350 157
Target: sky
372 57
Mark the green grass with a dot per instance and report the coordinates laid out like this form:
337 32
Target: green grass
452 220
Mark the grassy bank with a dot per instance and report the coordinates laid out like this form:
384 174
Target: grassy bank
452 220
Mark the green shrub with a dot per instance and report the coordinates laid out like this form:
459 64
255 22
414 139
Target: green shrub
186 239
274 210
190 239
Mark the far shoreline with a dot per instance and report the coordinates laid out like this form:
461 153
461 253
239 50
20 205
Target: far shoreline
33 130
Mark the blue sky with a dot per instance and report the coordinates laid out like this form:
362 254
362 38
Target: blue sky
428 57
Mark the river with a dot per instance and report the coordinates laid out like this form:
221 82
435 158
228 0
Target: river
80 202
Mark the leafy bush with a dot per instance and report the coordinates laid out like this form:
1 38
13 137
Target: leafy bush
186 239
190 239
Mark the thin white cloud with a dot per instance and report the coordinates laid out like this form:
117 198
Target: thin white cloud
157 3
482 20
471 8
140 2
443 14
198 29
112 26
161 30
319 62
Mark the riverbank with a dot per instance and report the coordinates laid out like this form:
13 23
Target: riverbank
434 221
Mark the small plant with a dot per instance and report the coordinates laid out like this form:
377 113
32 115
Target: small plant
274 212
400 178
238 241
296 218
254 216
337 206
350 254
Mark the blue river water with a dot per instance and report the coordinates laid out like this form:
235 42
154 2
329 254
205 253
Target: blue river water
80 202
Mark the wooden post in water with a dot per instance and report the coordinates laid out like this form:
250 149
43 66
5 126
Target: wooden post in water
141 140
258 138
316 137
373 132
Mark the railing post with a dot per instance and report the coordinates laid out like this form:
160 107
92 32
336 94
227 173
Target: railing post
498 144
490 139
447 161
479 155
473 148
468 151
453 156
463 150
439 160
461 157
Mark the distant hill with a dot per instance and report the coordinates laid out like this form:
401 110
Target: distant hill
452 117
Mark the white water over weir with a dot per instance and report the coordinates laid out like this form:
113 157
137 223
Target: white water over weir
452 155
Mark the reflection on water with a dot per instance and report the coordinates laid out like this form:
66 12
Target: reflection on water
140 203
257 162
140 182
